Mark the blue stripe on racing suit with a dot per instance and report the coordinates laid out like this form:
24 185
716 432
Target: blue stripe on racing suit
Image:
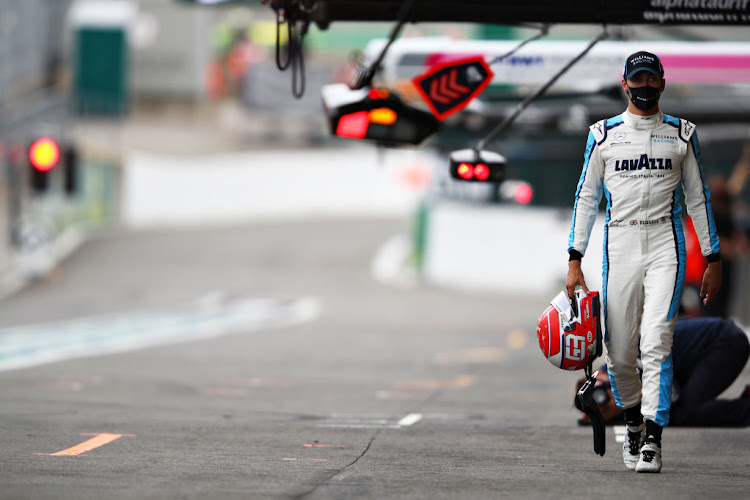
707 195
605 260
613 386
665 392
681 255
590 145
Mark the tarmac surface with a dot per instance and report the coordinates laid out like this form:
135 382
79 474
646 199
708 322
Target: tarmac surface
265 361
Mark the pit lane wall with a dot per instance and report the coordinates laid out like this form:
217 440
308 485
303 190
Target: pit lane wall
39 230
516 249
502 247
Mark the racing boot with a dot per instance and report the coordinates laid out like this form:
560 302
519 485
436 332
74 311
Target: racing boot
632 445
650 456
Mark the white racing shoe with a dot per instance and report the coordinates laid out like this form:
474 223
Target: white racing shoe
632 445
650 460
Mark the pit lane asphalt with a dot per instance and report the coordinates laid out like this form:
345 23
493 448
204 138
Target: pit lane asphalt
385 392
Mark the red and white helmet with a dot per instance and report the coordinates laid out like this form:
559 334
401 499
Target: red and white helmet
570 334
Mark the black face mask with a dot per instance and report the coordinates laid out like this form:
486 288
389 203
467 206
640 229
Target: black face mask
644 98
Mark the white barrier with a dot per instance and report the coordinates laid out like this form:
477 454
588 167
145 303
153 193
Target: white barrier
167 190
504 248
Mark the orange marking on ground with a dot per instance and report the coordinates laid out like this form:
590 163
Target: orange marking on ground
98 433
99 439
325 446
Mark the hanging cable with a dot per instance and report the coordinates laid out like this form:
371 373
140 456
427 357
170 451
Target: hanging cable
365 75
298 62
541 90
542 32
294 53
280 19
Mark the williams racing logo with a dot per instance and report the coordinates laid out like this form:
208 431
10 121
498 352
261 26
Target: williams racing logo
641 59
643 163
667 139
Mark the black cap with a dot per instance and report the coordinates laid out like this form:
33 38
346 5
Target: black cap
641 61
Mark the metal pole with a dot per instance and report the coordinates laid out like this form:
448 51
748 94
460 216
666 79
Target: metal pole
541 90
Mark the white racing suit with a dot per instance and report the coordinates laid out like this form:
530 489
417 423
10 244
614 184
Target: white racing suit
639 163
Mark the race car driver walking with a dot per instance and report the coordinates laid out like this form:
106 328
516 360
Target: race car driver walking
638 160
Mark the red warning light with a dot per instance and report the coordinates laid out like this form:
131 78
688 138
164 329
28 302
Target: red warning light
523 193
465 171
354 125
481 172
44 154
477 166
376 94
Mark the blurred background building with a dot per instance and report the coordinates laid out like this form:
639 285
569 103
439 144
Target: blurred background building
104 80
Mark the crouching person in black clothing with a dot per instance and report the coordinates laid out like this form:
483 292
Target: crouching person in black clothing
708 356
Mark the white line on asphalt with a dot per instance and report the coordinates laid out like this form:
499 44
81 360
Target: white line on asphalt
360 426
392 263
410 419
619 433
370 421
212 316
360 420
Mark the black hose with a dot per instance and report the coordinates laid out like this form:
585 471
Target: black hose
289 55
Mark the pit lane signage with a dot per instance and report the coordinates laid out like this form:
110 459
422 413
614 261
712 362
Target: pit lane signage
449 87
697 11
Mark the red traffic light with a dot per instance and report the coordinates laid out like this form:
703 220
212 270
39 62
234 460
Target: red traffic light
523 193
468 171
481 172
375 114
378 94
465 171
353 125
44 154
517 191
477 166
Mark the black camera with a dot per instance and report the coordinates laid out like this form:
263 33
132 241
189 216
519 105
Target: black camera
600 394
